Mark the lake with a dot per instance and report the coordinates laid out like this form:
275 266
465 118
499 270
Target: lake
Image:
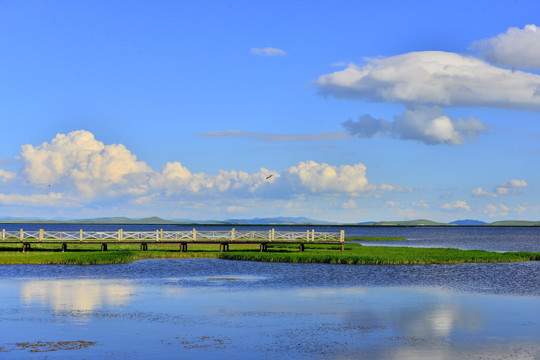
214 309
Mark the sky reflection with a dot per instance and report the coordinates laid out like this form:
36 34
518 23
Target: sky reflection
219 313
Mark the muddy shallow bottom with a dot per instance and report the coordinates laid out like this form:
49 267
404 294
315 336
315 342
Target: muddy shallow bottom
213 309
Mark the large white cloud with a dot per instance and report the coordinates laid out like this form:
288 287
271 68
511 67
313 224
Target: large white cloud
91 166
86 169
517 48
425 124
306 177
177 179
316 177
434 78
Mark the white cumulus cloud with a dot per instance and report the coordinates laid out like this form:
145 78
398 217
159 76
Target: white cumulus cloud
6 175
517 48
88 164
434 78
350 204
496 211
315 177
504 188
483 193
83 170
456 205
177 179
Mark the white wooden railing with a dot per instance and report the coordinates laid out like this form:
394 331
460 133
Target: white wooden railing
164 236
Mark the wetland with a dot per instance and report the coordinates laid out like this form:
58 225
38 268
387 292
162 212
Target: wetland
213 308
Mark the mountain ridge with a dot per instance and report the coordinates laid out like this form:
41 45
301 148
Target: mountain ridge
281 220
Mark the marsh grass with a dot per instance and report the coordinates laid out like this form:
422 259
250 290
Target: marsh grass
314 253
379 255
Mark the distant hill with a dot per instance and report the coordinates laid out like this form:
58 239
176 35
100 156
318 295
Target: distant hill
122 220
279 221
468 222
419 222
154 220
515 223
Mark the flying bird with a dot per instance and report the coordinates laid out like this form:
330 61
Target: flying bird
269 176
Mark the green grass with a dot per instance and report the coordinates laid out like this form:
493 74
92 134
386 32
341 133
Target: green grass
314 253
382 255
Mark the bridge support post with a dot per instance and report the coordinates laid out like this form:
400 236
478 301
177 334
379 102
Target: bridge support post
183 247
144 246
301 249
64 247
263 247
104 247
26 247
224 247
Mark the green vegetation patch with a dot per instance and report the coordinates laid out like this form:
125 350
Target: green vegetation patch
314 253
381 255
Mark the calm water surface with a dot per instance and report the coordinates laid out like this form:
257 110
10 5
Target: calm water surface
215 309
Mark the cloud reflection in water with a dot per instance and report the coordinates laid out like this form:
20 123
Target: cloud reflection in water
78 294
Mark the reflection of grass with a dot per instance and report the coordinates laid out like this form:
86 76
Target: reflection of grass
314 253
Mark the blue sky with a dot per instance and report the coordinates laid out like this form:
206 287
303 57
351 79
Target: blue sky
359 110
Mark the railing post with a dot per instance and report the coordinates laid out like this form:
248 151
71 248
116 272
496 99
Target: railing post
21 235
342 236
312 235
40 235
80 235
194 234
157 235
4 234
161 234
232 234
120 235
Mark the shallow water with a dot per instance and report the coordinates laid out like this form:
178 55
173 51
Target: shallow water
208 308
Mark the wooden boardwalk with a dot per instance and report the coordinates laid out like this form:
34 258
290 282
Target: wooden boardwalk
181 238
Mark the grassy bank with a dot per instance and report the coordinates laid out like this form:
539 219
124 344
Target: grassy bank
353 254
382 255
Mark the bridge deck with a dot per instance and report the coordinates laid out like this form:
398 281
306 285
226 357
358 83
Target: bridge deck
181 238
